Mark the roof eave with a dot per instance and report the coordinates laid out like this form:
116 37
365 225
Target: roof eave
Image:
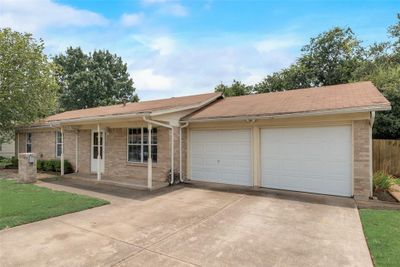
297 114
195 106
136 114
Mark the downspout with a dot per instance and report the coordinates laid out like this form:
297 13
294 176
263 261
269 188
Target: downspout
172 143
371 170
180 150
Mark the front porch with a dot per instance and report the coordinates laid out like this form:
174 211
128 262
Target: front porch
127 182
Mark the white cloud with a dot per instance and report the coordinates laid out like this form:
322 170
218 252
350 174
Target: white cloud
163 45
195 67
174 9
168 7
276 43
35 15
146 79
133 19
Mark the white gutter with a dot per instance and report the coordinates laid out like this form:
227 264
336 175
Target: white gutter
180 151
95 119
299 114
172 143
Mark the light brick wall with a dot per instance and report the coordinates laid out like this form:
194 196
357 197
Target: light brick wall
85 143
362 158
116 161
43 143
70 147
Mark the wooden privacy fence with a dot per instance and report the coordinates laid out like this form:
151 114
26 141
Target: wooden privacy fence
386 156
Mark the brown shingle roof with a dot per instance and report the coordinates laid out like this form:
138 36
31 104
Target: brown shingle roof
137 107
326 98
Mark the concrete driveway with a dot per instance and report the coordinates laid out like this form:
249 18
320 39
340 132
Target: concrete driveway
193 226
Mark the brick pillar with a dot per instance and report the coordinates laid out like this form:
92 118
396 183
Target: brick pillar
27 170
362 158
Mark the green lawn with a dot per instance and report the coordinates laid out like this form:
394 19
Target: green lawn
382 230
25 203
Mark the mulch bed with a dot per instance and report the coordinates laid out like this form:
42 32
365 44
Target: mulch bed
385 196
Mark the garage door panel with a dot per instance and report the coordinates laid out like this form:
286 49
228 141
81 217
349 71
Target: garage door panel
221 156
312 159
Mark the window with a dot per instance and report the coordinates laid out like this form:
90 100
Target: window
138 148
28 142
59 146
96 145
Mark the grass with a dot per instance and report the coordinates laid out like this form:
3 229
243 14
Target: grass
25 203
382 231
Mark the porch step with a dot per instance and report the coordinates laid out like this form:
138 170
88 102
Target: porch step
133 184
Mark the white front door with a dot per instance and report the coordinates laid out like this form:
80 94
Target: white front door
96 146
309 159
221 156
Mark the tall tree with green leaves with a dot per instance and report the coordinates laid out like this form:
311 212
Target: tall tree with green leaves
330 58
237 88
382 67
95 79
28 86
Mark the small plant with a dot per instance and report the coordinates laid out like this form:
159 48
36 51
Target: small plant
14 161
382 181
54 165
40 165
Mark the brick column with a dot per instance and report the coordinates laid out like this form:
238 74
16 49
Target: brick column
362 158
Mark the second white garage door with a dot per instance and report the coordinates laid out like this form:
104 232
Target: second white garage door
312 159
221 156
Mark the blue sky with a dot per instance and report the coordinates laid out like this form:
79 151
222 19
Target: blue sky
177 47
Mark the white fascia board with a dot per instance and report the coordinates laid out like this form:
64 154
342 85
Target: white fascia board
299 114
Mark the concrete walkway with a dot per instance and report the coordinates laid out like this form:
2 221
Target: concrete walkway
192 226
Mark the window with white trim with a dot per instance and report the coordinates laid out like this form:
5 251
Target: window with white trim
138 148
28 142
59 141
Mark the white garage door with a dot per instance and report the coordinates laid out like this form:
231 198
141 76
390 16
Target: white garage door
221 156
312 159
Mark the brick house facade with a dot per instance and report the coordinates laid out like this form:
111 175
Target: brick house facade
213 114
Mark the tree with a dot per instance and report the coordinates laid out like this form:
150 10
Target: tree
97 79
383 69
286 79
28 87
330 58
236 89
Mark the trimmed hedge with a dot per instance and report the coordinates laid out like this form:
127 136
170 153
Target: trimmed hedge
54 165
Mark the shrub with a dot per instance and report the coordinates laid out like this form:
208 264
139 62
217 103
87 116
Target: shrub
14 162
48 165
40 165
54 165
382 181
57 165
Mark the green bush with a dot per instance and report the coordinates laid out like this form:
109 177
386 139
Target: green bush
382 181
14 162
40 165
57 165
54 165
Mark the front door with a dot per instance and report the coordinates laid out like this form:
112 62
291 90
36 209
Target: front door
96 146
